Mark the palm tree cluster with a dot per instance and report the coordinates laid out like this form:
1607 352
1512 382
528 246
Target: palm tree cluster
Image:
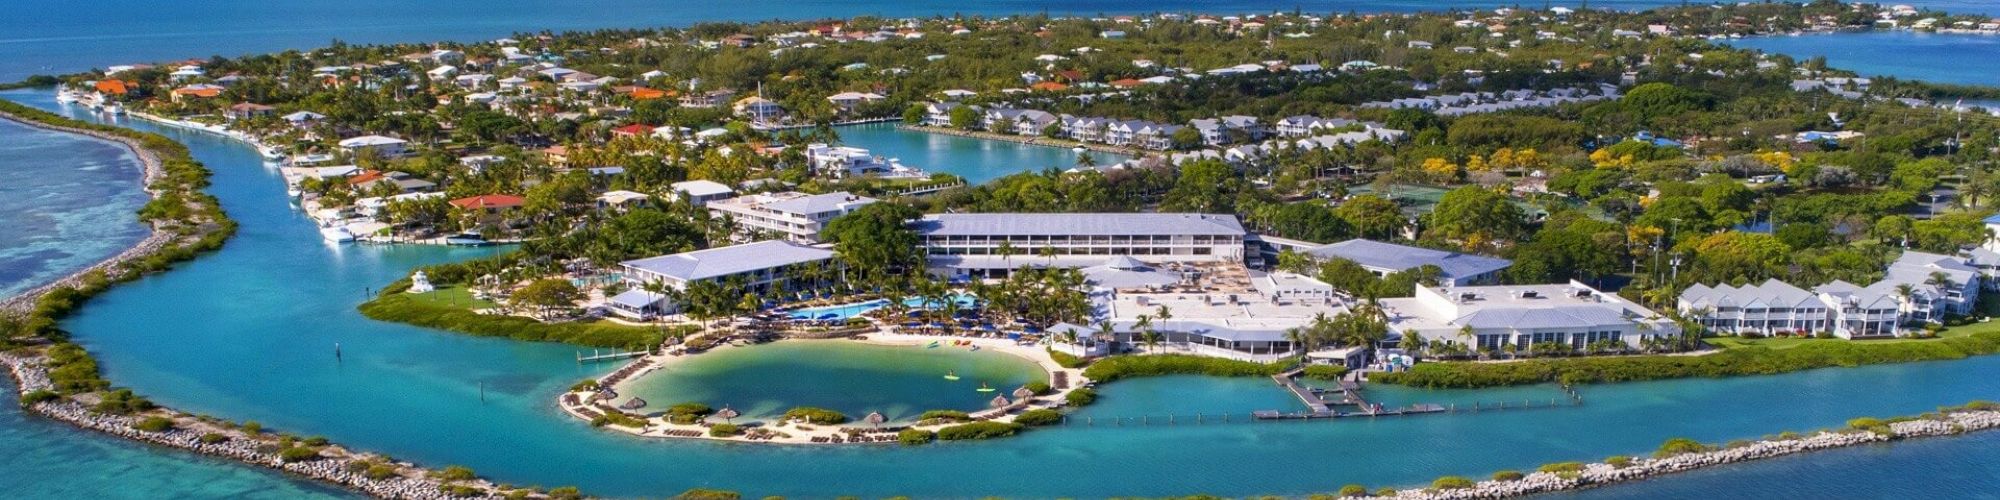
1362 326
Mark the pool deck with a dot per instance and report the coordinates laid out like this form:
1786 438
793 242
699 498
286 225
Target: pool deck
583 405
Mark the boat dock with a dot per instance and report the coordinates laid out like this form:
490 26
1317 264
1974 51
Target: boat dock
1318 406
606 356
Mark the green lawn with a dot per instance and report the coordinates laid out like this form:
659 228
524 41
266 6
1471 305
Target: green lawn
452 296
1791 342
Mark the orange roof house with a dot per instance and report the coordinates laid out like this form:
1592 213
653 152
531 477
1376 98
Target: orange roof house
489 202
113 87
633 130
646 94
1049 86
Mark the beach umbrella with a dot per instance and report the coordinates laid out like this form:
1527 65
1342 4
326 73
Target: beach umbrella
727 414
1023 393
875 418
999 402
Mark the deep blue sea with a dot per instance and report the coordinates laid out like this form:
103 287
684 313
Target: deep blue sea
56 36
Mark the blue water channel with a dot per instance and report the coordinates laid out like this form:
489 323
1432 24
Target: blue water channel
1937 58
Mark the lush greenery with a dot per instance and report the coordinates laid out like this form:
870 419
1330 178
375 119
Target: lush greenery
820 416
1757 360
724 430
1324 372
915 436
1039 417
1451 483
154 424
978 430
1152 365
394 305
1081 396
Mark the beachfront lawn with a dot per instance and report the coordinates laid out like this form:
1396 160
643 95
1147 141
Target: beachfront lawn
1791 342
452 296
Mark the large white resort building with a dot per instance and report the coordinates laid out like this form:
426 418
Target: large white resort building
991 244
794 216
1455 269
760 267
1493 317
1938 286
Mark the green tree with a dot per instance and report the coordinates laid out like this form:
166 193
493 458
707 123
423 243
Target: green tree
1475 219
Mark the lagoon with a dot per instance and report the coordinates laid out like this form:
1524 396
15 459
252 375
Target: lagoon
247 333
976 160
853 378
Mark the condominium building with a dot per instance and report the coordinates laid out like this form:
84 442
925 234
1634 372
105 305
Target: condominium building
966 245
1918 287
1766 308
796 216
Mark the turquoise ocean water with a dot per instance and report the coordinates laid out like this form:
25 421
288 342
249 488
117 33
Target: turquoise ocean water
248 334
1940 58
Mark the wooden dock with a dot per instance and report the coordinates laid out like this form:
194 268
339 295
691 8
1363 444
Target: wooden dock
601 357
1289 381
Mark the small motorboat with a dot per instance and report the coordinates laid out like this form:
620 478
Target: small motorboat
336 234
951 375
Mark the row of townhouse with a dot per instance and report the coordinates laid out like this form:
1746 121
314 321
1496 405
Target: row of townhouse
1130 133
1487 102
1917 288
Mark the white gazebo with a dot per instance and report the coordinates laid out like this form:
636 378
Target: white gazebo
420 283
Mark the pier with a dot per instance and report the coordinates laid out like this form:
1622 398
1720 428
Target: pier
605 356
1350 390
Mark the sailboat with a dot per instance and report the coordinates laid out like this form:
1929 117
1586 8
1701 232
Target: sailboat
984 388
951 375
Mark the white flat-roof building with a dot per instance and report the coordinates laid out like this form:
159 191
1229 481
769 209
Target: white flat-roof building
796 216
758 267
386 146
700 192
989 244
1245 326
1457 269
1490 318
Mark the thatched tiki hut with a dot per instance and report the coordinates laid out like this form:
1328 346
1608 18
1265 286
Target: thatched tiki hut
875 418
999 402
633 404
1022 393
727 413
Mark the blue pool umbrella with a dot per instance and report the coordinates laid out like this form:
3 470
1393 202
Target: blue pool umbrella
1013 336
829 316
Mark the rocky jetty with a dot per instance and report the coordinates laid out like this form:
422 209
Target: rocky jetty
334 465
1599 474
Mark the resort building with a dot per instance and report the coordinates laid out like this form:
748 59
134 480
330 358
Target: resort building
759 268
1456 269
1496 318
1231 321
986 245
795 216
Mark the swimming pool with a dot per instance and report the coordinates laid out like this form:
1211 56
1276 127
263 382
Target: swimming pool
845 311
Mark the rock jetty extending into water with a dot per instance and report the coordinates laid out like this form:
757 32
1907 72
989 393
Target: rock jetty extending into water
1952 422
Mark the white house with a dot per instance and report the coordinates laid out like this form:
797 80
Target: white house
760 267
795 216
385 146
1496 318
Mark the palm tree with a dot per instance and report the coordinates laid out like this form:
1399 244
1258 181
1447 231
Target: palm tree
1412 342
1465 332
1907 292
1145 328
1007 251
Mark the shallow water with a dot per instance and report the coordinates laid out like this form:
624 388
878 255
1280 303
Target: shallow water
247 334
66 202
849 377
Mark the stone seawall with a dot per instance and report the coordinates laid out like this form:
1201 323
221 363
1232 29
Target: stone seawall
1602 474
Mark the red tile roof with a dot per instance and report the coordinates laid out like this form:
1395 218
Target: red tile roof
488 201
